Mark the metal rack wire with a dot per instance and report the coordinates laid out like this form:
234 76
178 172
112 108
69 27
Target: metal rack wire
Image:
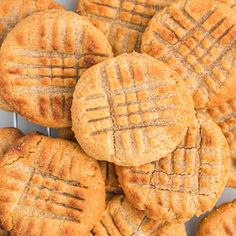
15 124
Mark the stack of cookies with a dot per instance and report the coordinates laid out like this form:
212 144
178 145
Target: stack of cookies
145 92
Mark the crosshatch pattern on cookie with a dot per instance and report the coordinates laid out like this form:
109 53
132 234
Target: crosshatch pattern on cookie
44 185
224 215
225 116
46 68
14 11
185 182
128 105
198 46
122 21
120 218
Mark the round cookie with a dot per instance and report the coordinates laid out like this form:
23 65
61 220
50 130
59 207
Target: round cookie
49 187
11 12
8 137
224 114
220 222
121 219
123 21
41 60
197 39
130 110
186 182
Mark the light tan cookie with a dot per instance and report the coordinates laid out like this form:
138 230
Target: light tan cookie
220 222
11 12
224 114
110 177
196 38
41 60
8 137
49 187
122 21
186 182
130 110
121 219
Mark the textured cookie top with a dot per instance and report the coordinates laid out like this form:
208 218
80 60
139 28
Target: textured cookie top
186 182
130 110
197 38
121 219
11 12
41 60
49 187
224 114
122 21
8 137
220 222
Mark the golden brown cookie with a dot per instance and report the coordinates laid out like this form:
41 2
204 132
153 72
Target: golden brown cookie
186 182
8 137
122 21
41 60
224 114
121 219
49 187
110 177
220 222
130 110
197 39
11 12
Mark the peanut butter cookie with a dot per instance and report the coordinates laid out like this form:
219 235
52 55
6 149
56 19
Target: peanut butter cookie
186 182
11 12
122 21
220 222
131 110
41 60
49 187
121 219
197 39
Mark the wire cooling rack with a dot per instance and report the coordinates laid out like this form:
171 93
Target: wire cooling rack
12 119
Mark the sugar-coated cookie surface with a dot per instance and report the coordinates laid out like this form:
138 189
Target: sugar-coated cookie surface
224 114
130 110
42 59
122 21
11 12
186 182
50 187
197 39
121 219
220 222
8 137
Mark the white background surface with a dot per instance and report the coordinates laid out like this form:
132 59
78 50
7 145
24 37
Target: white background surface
6 120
